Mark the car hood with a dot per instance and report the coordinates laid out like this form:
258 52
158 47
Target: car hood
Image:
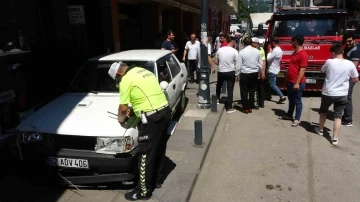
80 115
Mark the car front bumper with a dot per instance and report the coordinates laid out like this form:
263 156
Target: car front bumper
102 167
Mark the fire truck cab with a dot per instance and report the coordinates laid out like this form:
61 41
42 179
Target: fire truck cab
321 27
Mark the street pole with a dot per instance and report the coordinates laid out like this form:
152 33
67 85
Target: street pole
203 101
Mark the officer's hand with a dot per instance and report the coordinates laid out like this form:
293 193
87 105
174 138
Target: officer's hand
130 112
184 59
237 79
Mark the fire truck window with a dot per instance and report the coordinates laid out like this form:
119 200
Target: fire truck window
307 27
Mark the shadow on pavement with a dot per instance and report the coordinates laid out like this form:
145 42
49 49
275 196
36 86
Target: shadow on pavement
280 112
310 127
17 184
329 115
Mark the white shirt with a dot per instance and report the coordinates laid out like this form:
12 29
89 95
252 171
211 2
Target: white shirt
274 59
218 44
338 72
249 61
227 57
193 49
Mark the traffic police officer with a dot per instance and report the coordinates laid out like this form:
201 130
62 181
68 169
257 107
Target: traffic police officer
140 88
259 93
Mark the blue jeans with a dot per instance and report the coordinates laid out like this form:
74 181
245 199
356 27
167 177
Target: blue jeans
294 97
272 81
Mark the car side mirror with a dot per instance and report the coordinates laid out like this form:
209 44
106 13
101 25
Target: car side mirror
164 85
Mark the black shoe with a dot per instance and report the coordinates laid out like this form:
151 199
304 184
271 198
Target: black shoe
135 195
158 185
281 100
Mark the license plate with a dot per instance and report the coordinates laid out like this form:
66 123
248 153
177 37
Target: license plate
68 163
310 80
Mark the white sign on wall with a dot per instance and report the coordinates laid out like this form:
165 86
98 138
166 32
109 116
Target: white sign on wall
76 15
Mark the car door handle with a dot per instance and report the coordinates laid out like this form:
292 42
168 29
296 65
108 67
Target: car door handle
182 75
174 86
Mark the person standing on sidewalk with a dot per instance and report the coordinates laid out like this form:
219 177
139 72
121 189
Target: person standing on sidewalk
217 43
273 58
335 90
223 41
249 67
296 80
192 49
352 53
226 60
168 44
140 88
259 93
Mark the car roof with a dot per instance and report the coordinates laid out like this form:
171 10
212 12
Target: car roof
309 11
134 55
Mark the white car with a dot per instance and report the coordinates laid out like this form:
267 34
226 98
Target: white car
78 136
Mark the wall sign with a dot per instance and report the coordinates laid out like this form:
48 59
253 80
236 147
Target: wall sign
76 14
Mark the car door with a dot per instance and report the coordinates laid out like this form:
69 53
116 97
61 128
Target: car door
164 74
176 76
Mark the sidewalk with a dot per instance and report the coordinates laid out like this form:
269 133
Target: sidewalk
185 158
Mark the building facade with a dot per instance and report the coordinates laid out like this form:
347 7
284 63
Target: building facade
62 34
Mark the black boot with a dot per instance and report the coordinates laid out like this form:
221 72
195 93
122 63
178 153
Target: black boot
135 195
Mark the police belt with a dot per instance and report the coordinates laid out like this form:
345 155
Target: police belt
156 110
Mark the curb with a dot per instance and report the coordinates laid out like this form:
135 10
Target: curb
221 111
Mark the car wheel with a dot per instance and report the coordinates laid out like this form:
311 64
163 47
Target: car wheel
182 104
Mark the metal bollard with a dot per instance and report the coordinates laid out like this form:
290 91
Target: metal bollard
214 103
223 87
198 142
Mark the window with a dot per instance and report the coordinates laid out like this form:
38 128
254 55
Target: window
307 27
174 67
94 77
163 70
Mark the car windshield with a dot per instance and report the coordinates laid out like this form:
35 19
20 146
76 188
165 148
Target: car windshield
94 77
307 27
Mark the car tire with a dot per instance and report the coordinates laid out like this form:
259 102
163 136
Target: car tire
182 104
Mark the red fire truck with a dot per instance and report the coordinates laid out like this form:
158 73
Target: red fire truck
321 27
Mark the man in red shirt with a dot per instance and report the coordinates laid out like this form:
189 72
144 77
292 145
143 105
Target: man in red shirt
223 41
296 79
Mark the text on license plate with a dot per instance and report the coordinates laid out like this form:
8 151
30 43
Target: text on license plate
310 80
69 163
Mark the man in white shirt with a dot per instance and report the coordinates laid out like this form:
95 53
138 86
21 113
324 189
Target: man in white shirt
249 66
192 49
273 58
226 60
217 43
335 90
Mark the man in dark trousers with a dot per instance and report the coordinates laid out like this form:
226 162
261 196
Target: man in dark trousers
260 93
140 88
352 53
249 68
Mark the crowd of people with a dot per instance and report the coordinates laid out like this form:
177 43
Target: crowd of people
256 74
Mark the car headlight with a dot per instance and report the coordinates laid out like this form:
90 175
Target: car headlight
114 145
32 137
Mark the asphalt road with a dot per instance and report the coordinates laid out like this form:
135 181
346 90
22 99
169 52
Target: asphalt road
257 157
